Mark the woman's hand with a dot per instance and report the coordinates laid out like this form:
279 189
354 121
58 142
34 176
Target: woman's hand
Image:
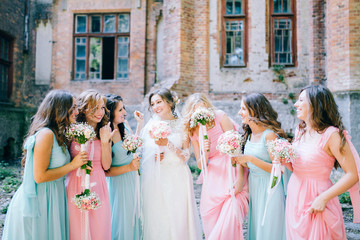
106 134
207 145
243 159
139 117
318 205
80 159
135 163
162 142
161 156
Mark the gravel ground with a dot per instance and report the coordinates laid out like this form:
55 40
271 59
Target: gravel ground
352 230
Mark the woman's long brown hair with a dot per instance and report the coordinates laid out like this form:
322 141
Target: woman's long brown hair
324 113
261 112
53 113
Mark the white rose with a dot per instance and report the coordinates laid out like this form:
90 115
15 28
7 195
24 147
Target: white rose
87 133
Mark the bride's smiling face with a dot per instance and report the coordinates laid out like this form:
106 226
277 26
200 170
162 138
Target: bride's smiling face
160 107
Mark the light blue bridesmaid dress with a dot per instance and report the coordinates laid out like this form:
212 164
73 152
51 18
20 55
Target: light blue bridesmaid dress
274 225
125 215
39 211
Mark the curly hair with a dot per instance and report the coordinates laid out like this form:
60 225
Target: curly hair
324 113
189 108
261 112
53 113
167 96
89 100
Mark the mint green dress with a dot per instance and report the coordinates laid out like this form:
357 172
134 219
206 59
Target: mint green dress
39 211
274 225
125 214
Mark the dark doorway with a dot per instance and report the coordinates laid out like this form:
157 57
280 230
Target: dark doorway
108 58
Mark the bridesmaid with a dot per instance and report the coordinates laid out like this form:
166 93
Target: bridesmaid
313 210
219 218
260 125
92 110
38 209
123 178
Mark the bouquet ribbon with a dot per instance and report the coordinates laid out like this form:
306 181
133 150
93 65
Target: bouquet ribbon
203 162
85 184
274 176
137 199
231 183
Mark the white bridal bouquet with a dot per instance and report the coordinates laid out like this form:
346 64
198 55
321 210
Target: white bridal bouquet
203 116
131 143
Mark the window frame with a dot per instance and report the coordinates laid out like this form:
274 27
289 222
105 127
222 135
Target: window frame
234 17
292 16
8 63
88 35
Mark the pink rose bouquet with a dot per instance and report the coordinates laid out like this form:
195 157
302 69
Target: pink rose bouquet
131 143
159 129
87 201
282 150
230 143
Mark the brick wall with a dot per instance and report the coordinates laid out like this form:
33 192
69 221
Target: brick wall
133 90
317 52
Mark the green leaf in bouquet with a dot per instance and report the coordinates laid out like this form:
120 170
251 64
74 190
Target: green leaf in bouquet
274 182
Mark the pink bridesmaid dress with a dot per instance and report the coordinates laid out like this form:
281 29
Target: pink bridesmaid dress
99 219
216 209
311 177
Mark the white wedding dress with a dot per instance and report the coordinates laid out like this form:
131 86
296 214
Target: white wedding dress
169 209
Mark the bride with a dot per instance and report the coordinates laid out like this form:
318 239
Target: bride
169 209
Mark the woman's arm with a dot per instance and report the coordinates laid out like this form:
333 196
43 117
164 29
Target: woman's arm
132 166
105 136
240 181
226 124
257 162
140 122
184 154
42 154
347 163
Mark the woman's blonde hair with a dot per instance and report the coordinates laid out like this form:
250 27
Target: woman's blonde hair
89 100
189 108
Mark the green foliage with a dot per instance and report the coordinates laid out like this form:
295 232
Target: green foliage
280 73
10 184
4 210
194 169
5 171
293 110
345 198
285 101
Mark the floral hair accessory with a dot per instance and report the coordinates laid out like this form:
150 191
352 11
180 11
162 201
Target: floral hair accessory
176 100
